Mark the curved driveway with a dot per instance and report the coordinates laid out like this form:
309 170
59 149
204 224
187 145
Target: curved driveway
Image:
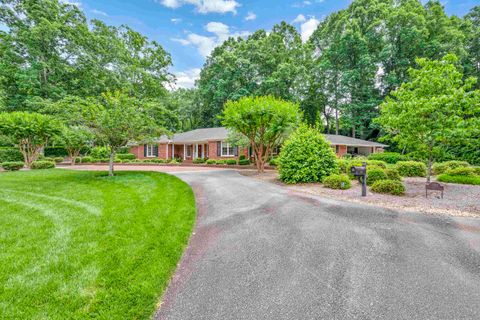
261 252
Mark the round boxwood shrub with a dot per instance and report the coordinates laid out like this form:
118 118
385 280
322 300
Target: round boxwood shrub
58 159
342 165
221 162
273 162
86 159
10 155
411 169
377 163
443 167
100 152
12 165
199 161
375 175
461 171
477 170
393 174
244 162
211 161
389 187
388 157
42 165
306 157
231 162
337 181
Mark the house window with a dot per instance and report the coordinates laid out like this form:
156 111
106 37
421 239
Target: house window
189 150
227 150
337 149
150 151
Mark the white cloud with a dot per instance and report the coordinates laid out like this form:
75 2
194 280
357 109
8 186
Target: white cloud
204 6
176 20
100 13
299 19
250 16
308 27
205 44
186 79
73 3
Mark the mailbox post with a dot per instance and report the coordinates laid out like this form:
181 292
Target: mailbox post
361 174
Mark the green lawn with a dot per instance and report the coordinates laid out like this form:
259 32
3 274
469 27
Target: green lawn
76 245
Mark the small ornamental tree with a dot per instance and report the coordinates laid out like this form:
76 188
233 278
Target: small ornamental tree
30 132
120 121
306 157
433 108
75 139
264 121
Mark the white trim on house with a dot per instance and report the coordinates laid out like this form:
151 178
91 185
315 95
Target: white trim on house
150 148
230 149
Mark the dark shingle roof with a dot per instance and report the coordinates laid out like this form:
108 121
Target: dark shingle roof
221 133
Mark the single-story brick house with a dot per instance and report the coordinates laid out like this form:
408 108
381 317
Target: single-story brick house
212 143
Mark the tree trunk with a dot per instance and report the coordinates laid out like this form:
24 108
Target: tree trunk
110 164
429 169
337 124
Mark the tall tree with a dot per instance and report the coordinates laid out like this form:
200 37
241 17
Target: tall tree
435 106
472 32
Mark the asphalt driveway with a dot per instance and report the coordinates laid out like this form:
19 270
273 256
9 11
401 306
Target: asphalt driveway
261 252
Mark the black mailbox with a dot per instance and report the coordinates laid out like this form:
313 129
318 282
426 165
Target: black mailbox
358 171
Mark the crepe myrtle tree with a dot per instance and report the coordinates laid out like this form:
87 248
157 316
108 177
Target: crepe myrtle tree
264 121
74 139
436 106
30 132
122 120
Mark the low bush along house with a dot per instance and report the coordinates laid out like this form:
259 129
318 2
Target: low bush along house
212 143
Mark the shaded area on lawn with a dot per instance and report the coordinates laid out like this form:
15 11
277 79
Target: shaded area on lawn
78 244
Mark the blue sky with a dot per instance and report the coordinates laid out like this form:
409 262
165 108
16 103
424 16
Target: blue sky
189 29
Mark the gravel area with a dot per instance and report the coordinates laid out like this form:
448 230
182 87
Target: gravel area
459 200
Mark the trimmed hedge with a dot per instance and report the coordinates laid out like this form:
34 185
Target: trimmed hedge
378 163
392 187
306 157
388 157
473 180
244 162
12 166
126 156
211 161
337 181
342 165
443 167
393 174
375 175
273 162
10 155
99 152
199 160
411 169
42 165
231 162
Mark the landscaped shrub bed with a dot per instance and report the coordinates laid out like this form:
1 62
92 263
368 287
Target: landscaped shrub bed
273 162
10 155
443 167
393 174
473 180
244 162
211 161
411 169
375 175
337 181
392 187
462 171
125 156
342 165
42 165
199 161
388 157
231 162
12 166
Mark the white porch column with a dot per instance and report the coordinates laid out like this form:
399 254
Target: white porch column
166 151
203 151
173 150
184 152
196 150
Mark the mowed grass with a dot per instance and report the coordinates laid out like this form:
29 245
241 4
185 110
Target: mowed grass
81 245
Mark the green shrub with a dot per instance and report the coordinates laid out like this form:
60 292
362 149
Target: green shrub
221 162
443 167
86 159
347 156
477 170
244 162
211 161
342 165
156 161
42 165
10 155
337 181
242 157
126 156
12 166
393 174
58 159
411 169
273 162
231 162
389 187
375 175
461 171
388 157
306 157
55 152
100 153
378 163
174 161
199 160
474 180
